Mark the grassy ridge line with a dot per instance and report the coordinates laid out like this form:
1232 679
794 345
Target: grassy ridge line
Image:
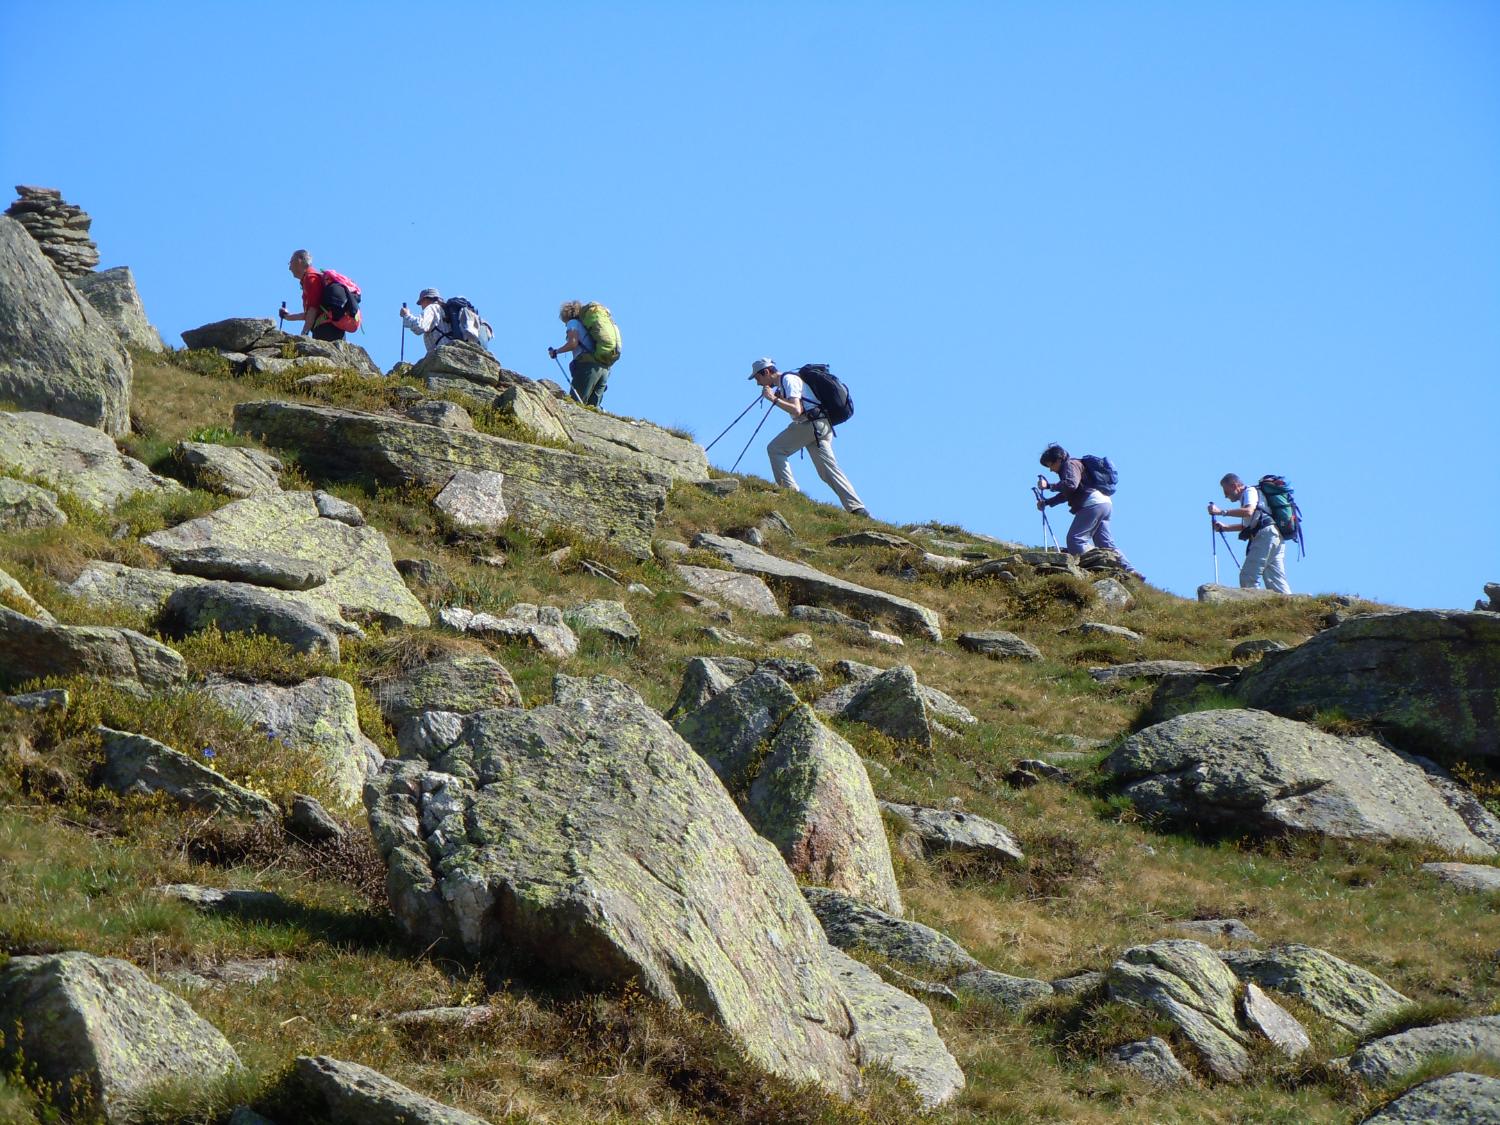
75 869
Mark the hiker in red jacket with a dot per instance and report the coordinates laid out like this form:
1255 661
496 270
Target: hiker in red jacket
318 298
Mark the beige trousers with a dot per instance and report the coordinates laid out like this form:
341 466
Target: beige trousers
815 437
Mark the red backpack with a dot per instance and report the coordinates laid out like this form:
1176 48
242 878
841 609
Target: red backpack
345 317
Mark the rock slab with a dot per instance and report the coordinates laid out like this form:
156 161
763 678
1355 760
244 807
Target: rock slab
1346 994
1454 1099
351 1094
32 649
135 765
1390 1056
73 457
1187 984
113 293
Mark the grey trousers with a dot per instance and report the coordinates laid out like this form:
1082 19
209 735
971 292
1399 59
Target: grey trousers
815 437
1091 529
1265 557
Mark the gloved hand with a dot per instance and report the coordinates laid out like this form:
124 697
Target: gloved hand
551 353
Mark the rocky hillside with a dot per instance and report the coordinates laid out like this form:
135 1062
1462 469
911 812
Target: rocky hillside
421 746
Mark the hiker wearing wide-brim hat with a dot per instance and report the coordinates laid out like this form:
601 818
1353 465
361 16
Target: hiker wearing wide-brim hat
430 323
808 430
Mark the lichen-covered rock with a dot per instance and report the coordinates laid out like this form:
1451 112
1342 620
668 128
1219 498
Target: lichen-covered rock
606 618
74 458
310 822
459 360
999 645
440 412
852 925
872 539
1265 774
48 699
1151 1059
1430 679
113 293
463 684
96 1029
1478 877
27 507
347 1093
1346 994
813 587
57 353
701 681
1189 985
229 470
545 488
743 590
939 705
1226 929
1454 1099
363 582
892 703
799 784
135 765
1014 994
32 649
541 627
1148 670
1112 594
935 831
318 715
633 441
16 597
661 884
1099 630
474 501
234 607
895 1031
1390 1056
257 568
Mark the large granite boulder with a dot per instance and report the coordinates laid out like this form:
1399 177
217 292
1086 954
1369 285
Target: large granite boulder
1186 983
1390 1056
318 715
896 1032
813 587
1455 1099
74 458
57 353
633 441
1256 772
27 507
32 649
999 645
1479 878
470 363
941 707
1429 679
234 607
1346 994
743 590
135 765
892 703
236 334
229 470
799 784
363 582
100 1034
463 683
347 1093
852 925
586 836
112 292
545 487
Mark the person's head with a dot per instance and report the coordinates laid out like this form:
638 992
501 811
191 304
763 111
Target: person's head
428 297
1053 457
301 262
1232 485
764 372
569 310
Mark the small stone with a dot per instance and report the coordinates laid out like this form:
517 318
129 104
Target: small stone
999 646
802 642
608 619
330 507
27 507
1466 876
872 539
1246 649
1014 994
224 900
441 413
719 486
1274 1022
1112 594
1098 629
474 502
1230 929
1044 769
50 699
1149 670
1153 1060
1078 984
947 830
232 564
311 822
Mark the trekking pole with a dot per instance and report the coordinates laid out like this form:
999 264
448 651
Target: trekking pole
567 380
1228 548
281 318
1213 541
733 424
741 457
404 313
1046 523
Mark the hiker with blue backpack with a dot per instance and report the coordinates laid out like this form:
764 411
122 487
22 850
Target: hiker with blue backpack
1087 484
816 402
455 320
594 342
1265 546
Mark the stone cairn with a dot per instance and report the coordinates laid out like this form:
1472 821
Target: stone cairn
60 228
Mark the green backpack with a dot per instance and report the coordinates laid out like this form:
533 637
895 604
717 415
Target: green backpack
601 328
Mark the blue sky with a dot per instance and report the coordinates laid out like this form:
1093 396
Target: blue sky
1195 237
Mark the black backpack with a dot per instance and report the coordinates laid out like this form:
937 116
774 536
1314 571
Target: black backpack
834 400
460 327
1099 474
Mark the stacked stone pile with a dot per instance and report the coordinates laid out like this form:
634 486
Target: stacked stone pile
60 228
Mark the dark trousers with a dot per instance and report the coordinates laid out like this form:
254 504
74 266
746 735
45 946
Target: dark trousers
589 379
327 331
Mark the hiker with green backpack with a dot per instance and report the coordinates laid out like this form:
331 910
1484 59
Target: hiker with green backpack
1263 528
595 343
1087 484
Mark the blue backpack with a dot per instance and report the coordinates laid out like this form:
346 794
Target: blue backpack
1098 473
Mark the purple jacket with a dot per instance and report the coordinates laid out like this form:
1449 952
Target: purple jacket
1070 485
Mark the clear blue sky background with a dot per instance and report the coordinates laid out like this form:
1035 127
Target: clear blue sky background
1196 237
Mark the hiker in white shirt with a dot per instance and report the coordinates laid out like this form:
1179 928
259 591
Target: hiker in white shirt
432 323
1265 553
809 430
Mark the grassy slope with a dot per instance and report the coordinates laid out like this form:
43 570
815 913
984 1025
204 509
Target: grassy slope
76 867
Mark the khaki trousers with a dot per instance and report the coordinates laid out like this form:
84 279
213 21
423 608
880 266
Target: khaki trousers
816 437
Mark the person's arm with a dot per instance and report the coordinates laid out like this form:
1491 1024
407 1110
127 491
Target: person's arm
1245 511
773 395
573 344
291 316
1069 480
414 323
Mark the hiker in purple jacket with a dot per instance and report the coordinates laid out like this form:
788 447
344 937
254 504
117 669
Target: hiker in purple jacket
1091 508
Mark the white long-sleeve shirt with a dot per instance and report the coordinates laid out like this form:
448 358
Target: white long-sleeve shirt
431 325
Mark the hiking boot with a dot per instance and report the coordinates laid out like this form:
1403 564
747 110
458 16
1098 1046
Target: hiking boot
865 512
